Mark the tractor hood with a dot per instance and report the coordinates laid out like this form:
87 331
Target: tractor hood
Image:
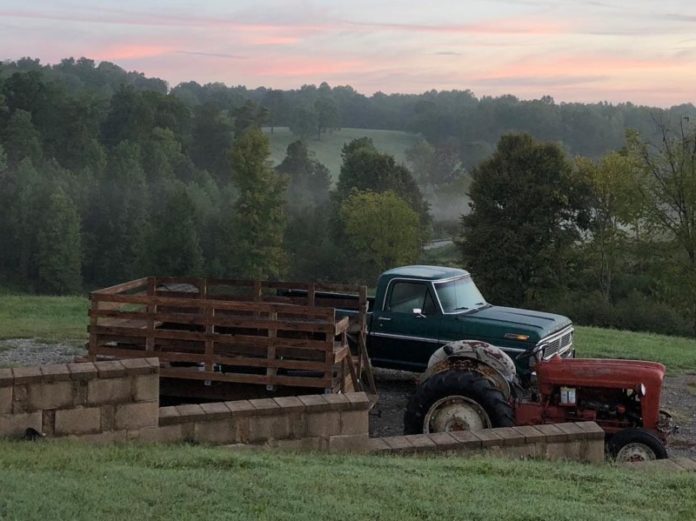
609 374
590 372
494 322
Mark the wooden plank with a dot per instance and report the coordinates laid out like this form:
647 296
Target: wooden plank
294 381
124 286
124 332
178 318
340 353
267 307
168 356
341 326
271 352
209 343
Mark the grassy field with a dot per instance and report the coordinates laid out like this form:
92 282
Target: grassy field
328 150
59 480
46 318
65 318
678 354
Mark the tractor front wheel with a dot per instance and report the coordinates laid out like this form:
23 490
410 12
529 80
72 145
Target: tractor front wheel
456 401
630 445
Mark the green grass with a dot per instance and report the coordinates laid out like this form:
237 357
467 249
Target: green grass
60 480
677 353
328 150
47 318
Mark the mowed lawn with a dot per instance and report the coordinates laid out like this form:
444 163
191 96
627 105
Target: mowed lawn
328 149
45 318
60 480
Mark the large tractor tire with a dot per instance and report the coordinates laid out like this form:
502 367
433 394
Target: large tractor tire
456 401
630 445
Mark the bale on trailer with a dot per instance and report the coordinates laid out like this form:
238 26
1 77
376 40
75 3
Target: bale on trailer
275 334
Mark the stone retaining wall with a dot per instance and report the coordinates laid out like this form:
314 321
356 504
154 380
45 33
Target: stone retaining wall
83 399
562 441
119 401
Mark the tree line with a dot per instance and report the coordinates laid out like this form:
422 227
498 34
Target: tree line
100 190
108 175
609 242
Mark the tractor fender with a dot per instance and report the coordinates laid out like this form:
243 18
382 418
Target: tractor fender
474 355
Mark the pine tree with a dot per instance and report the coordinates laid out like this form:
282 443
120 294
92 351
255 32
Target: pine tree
259 219
58 246
174 248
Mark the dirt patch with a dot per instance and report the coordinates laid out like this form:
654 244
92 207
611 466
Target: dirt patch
24 352
395 387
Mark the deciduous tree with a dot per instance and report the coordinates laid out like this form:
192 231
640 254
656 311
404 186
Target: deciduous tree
526 211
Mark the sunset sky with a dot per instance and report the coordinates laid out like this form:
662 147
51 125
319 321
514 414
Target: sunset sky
640 51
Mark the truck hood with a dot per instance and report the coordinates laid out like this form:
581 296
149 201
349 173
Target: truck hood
494 322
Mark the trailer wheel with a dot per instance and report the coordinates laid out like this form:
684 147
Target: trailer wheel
631 445
456 400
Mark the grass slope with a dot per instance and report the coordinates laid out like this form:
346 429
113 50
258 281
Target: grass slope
328 149
47 318
65 318
59 480
677 353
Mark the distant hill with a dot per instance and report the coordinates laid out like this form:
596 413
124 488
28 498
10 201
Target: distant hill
328 150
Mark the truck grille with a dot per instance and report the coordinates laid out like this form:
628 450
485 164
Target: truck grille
558 343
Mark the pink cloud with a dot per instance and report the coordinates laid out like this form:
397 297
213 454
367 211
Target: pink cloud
130 52
310 68
525 26
580 66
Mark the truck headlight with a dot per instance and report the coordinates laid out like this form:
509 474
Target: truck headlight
537 355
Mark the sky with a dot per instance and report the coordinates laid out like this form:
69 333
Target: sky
643 51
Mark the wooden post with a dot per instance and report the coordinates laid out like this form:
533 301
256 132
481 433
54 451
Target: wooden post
271 352
311 293
93 340
151 310
364 364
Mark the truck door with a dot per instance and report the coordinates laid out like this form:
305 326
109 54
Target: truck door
404 332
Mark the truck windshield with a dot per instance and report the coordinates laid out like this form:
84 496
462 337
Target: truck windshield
459 295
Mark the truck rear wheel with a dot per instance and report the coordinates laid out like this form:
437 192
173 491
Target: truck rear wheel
635 445
456 400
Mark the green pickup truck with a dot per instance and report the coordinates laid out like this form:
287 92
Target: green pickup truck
418 309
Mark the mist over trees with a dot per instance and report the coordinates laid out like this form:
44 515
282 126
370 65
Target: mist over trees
583 209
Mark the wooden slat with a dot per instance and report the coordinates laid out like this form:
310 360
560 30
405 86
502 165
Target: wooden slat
267 307
341 326
167 356
125 286
295 381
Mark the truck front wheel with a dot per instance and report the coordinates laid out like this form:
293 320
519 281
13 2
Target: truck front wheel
456 401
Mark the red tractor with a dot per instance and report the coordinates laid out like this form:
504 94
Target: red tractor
471 385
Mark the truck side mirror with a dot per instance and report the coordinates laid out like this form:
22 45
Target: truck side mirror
418 312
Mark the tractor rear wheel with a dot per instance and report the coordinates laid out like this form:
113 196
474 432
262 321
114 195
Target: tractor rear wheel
635 445
456 401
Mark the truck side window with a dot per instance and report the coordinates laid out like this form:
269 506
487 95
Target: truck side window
407 296
429 307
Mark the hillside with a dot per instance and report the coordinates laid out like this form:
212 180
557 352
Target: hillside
328 149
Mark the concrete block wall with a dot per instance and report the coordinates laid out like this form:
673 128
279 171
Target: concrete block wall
119 401
85 399
313 422
562 441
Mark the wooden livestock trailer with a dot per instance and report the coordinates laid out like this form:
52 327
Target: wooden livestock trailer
276 334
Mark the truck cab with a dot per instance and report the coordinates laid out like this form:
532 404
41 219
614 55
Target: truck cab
417 309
